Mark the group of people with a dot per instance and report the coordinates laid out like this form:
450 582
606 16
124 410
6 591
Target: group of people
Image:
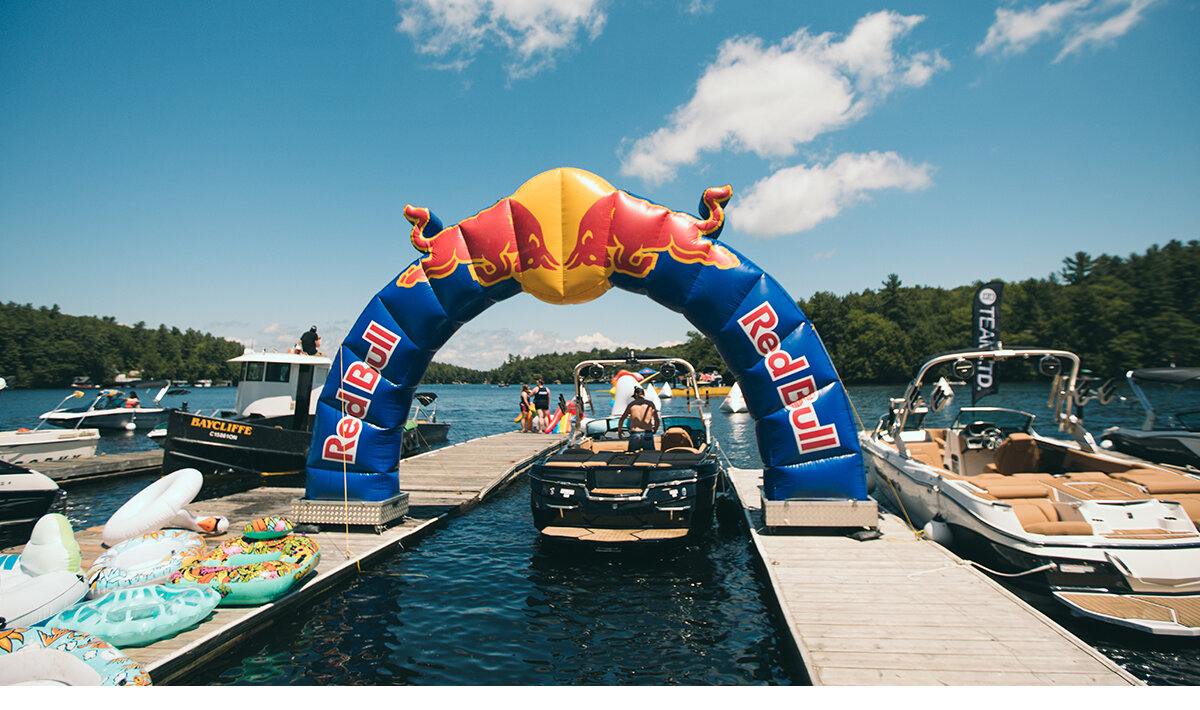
641 414
535 408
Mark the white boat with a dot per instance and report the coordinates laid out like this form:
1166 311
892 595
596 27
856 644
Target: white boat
26 446
112 410
1170 433
1111 537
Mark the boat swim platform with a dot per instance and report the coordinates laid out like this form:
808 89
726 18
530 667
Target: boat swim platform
902 610
440 484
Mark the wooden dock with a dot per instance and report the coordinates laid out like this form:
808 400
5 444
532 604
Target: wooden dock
440 484
901 610
98 468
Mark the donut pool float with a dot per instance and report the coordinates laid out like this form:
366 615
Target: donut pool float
137 616
153 507
145 559
64 657
261 565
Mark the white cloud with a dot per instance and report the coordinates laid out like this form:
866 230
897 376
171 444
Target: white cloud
485 349
533 32
798 198
770 99
824 255
1077 23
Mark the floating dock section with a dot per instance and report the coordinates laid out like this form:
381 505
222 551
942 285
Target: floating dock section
439 483
901 610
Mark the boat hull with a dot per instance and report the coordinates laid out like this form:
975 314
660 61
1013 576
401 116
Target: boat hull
37 445
108 420
1175 448
25 496
237 447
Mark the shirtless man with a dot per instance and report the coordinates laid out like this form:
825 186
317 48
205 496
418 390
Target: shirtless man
643 421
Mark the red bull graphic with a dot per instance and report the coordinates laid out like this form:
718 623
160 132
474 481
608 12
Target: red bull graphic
567 236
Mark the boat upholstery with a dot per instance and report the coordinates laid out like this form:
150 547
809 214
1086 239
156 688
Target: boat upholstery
1019 452
1159 482
675 437
927 452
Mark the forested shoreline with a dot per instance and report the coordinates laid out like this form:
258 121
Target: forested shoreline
1116 313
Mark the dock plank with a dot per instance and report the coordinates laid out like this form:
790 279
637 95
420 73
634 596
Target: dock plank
492 463
900 610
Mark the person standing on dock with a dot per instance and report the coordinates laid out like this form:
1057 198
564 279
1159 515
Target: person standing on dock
541 402
526 410
643 421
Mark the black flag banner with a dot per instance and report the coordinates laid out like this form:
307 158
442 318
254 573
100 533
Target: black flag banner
985 334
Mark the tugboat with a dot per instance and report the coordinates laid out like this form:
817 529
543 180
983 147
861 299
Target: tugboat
268 432
593 490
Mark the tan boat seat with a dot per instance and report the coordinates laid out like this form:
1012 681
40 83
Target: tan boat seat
1019 452
1040 517
927 452
1158 482
676 437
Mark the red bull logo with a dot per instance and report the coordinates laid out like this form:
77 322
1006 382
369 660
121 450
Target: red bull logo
563 234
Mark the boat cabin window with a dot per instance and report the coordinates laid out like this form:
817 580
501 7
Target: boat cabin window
278 372
252 372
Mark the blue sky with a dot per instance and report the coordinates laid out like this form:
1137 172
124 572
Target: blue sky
242 168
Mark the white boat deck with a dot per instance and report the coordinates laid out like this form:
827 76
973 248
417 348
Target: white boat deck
901 610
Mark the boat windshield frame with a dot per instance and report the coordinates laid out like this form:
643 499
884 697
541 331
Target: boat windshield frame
1064 393
637 360
1181 378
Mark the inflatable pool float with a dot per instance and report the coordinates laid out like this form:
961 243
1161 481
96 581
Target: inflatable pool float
51 548
64 657
10 570
137 616
261 565
34 599
208 525
145 559
154 506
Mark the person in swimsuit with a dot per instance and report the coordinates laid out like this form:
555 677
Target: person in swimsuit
541 402
643 421
526 406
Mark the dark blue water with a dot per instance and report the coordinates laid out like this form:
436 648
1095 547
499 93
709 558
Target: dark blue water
483 601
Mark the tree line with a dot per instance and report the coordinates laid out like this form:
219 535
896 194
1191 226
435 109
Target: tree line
44 347
1115 313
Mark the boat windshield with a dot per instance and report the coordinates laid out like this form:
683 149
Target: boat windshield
1009 421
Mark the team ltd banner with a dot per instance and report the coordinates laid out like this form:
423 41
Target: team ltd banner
985 335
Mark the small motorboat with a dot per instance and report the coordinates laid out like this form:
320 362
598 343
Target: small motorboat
593 490
29 446
1170 433
1110 537
423 428
25 496
114 410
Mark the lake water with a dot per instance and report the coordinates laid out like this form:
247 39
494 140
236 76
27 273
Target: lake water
483 601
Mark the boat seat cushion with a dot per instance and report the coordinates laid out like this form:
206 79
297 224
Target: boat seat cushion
1040 517
1159 482
1019 452
675 437
927 452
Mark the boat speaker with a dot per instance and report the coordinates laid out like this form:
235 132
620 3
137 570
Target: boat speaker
1049 365
667 371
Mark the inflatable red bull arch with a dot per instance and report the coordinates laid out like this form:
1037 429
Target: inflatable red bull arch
566 237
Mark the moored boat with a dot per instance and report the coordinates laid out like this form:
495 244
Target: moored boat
113 410
594 490
1170 433
27 446
268 432
25 496
1110 537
